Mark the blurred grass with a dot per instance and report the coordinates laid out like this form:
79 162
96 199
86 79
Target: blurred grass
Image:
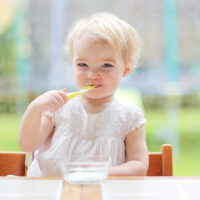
186 164
9 125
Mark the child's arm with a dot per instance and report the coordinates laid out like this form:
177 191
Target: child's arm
35 126
136 155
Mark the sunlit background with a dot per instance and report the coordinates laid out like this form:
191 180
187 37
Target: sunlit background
166 85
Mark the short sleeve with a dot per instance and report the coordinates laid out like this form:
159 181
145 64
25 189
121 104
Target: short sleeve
136 118
50 114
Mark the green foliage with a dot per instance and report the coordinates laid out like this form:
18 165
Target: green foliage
7 61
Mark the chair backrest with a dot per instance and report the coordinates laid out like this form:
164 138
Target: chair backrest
12 163
161 163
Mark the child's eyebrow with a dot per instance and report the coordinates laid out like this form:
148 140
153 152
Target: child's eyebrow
108 60
81 59
101 60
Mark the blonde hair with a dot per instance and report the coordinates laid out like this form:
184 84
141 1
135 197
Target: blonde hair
119 34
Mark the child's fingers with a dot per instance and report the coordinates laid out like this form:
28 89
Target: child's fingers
64 90
59 100
54 99
52 108
63 94
56 103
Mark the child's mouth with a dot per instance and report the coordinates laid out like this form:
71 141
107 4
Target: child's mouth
97 86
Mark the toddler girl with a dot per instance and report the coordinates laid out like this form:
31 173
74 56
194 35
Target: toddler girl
103 49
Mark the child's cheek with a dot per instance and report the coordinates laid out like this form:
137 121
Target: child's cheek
79 79
77 74
114 76
113 80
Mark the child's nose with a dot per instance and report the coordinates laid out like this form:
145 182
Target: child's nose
93 74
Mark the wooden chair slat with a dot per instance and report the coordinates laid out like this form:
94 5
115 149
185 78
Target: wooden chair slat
12 163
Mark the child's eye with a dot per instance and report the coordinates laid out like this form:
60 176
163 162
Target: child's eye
107 65
82 64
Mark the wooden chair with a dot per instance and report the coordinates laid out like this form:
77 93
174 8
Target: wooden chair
12 163
161 163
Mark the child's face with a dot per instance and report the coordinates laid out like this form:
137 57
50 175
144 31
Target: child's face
95 63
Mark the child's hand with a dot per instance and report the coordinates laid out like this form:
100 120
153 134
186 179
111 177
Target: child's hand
50 101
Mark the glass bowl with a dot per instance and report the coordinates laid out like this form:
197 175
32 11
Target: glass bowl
90 170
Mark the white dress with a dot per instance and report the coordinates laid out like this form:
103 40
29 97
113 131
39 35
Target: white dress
80 133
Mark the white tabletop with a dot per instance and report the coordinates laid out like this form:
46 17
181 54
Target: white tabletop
20 189
152 189
115 188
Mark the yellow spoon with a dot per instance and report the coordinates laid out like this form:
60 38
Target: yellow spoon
81 91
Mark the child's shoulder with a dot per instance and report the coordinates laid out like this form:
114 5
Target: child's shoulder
129 114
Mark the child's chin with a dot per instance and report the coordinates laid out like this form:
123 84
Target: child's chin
98 96
95 96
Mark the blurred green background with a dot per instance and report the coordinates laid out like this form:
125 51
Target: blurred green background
166 85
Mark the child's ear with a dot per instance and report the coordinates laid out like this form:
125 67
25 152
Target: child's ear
127 69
